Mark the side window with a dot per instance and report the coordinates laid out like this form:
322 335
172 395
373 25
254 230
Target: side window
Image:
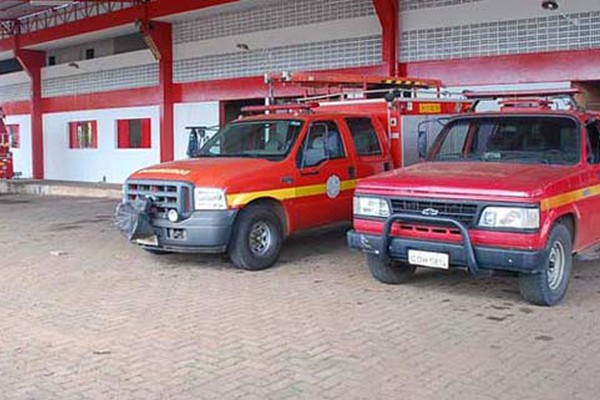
364 136
593 143
323 142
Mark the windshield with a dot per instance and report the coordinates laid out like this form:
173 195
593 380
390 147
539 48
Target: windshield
260 139
543 140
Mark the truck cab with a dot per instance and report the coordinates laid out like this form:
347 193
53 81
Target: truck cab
515 190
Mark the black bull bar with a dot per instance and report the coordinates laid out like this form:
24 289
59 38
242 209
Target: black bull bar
384 251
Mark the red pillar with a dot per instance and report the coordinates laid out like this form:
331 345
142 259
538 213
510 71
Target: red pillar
388 12
159 37
32 62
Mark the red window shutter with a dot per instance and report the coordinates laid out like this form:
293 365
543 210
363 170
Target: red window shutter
146 133
123 134
94 126
73 140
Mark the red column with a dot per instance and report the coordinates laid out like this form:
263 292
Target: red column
159 37
388 12
32 62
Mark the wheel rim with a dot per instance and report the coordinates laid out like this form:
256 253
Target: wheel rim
556 265
260 238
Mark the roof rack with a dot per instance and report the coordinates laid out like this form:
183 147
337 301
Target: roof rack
351 81
570 92
306 107
521 99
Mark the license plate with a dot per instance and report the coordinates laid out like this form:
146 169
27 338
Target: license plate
429 259
150 241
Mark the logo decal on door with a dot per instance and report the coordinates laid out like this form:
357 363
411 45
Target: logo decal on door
334 186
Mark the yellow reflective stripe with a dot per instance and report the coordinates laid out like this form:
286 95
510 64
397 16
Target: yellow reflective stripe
240 199
568 198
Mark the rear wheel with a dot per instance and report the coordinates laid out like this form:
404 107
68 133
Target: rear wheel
257 238
548 287
390 272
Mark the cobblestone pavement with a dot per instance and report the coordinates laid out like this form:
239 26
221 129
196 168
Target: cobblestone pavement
107 321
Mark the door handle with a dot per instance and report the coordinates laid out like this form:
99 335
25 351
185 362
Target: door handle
309 173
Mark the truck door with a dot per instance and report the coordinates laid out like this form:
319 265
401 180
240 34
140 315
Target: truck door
325 176
371 156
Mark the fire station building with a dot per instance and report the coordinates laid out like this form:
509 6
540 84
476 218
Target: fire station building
94 90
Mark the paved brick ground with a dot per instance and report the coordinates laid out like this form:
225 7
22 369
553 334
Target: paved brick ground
107 321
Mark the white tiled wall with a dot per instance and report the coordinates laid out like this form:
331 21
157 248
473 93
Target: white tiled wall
15 92
101 81
488 27
330 54
271 16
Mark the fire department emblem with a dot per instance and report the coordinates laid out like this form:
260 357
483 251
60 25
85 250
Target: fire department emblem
334 186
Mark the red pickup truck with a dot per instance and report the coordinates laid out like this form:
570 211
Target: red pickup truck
516 190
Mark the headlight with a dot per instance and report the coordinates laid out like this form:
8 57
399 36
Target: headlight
209 199
510 217
371 207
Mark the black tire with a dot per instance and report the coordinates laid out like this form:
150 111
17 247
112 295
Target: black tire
392 272
156 252
249 249
548 287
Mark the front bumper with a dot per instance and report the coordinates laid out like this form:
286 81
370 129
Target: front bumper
461 255
202 232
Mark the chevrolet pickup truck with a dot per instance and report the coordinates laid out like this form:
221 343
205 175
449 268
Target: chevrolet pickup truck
516 190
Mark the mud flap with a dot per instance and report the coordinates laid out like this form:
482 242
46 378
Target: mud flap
134 220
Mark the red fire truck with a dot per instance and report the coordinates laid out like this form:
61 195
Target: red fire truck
6 160
515 190
281 169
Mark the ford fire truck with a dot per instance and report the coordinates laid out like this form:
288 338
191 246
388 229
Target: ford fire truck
514 190
281 169
6 158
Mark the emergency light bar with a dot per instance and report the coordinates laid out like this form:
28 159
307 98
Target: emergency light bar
279 107
521 94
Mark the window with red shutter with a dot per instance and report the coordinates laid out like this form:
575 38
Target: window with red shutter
14 133
134 133
83 135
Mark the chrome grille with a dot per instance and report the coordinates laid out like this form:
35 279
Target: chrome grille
165 196
463 212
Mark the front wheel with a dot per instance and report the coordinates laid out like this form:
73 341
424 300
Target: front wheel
548 287
257 238
390 272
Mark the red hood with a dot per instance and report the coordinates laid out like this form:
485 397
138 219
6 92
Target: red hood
225 173
460 179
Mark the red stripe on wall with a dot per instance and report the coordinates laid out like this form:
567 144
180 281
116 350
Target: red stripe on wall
575 65
95 101
17 107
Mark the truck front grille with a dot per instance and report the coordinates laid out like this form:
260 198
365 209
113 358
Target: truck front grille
165 196
463 212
